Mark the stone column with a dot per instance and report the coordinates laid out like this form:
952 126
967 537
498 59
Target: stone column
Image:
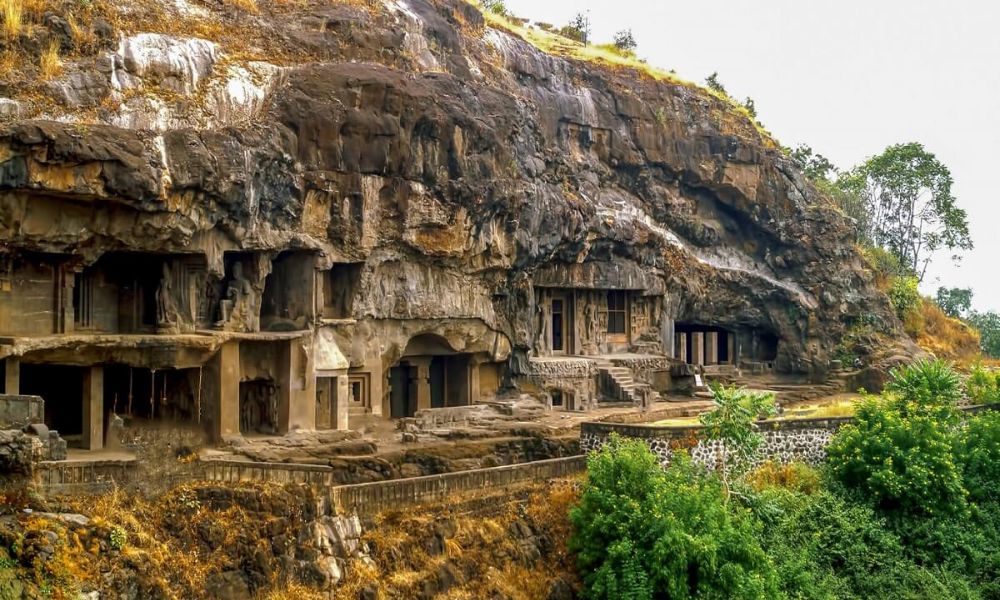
341 391
224 369
93 408
731 348
667 337
682 347
420 380
711 347
697 348
12 375
474 390
296 387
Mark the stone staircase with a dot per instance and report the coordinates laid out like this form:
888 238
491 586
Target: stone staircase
617 384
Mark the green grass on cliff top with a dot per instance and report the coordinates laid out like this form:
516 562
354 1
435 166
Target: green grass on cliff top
607 55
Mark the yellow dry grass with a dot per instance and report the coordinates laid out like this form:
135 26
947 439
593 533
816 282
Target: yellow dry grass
249 6
13 17
50 63
945 337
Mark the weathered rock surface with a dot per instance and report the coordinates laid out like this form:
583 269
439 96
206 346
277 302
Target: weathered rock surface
458 163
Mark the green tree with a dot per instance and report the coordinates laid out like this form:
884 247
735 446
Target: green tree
497 7
955 302
642 532
733 423
814 165
625 41
988 324
713 83
578 28
751 107
909 208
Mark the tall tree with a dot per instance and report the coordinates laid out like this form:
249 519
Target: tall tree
625 41
955 302
909 208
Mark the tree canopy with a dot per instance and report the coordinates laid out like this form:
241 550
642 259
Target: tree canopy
908 206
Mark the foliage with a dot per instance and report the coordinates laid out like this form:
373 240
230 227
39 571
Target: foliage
982 385
814 165
118 537
884 264
713 83
978 453
898 451
497 7
624 40
904 296
925 387
578 29
988 325
733 421
642 532
955 302
908 206
751 107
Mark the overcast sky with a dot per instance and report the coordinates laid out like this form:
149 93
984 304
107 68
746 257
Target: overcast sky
847 77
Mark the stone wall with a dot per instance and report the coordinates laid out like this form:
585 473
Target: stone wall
575 378
18 410
800 440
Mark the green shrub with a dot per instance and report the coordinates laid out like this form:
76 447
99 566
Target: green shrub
733 421
982 386
978 454
901 462
904 295
925 387
641 532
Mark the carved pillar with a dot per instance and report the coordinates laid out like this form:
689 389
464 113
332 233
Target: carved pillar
697 348
474 389
681 352
296 388
731 348
341 396
420 380
712 348
93 408
224 369
12 375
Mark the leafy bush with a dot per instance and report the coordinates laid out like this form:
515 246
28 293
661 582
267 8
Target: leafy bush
978 453
982 385
900 461
925 386
904 296
642 532
625 41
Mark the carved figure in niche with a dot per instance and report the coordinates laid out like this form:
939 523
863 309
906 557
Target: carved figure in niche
166 307
541 343
240 301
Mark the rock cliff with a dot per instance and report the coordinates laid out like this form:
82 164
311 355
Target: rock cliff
457 162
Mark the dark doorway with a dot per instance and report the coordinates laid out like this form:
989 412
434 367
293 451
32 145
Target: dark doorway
438 381
62 389
401 402
724 347
558 320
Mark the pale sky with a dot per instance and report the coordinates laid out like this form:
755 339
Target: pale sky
847 77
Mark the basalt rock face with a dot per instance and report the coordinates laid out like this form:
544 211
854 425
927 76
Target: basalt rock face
460 164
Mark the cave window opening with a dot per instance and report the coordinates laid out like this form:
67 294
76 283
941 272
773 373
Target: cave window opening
557 398
340 286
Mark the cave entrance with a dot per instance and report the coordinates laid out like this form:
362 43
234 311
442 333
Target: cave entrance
61 387
340 286
289 292
704 345
431 374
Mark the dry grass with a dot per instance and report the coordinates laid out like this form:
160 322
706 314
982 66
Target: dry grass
13 17
50 63
945 337
249 6
798 477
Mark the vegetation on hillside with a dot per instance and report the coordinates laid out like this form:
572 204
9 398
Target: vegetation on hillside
907 505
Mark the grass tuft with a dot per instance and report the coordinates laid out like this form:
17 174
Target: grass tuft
49 63
13 17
